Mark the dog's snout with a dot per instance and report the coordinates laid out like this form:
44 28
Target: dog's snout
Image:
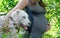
29 23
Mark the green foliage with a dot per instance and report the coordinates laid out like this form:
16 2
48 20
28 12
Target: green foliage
53 15
6 5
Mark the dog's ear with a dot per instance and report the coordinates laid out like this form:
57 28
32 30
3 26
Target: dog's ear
14 16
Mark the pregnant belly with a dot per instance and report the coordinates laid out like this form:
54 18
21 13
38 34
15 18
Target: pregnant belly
40 23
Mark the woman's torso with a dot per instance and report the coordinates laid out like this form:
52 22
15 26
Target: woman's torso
39 21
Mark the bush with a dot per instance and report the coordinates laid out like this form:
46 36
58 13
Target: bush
53 15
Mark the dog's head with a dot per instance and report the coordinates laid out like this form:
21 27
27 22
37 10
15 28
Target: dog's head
21 17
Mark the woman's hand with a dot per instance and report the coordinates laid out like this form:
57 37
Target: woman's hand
48 27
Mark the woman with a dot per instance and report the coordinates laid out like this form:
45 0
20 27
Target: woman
36 8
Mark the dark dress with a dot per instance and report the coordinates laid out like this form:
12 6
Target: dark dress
39 21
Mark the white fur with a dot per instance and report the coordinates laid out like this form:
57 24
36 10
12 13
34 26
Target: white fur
18 16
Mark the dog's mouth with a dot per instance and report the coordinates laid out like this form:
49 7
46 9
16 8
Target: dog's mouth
22 25
25 25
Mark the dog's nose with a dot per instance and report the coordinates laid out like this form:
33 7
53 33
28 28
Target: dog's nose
29 23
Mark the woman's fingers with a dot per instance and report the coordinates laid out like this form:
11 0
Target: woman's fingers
48 27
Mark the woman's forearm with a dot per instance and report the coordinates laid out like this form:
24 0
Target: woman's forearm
20 5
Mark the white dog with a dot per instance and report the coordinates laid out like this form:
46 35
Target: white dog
18 17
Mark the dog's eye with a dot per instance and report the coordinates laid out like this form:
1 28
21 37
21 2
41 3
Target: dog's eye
24 17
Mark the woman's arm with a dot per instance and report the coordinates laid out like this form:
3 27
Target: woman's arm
20 5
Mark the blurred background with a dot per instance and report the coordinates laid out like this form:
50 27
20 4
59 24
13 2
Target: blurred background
53 16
